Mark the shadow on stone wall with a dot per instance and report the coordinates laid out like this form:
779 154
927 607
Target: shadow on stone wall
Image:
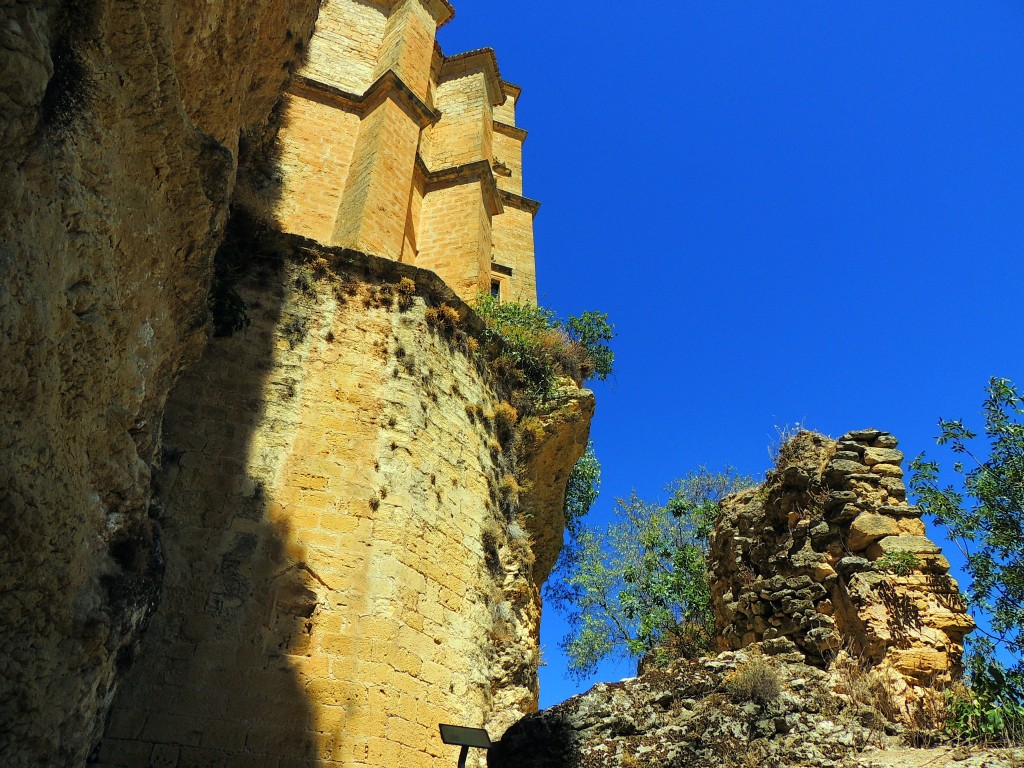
215 676
537 741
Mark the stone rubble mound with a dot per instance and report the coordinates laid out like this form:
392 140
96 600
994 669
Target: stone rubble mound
692 714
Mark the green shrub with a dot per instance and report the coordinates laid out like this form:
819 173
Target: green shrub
582 488
990 709
900 563
541 347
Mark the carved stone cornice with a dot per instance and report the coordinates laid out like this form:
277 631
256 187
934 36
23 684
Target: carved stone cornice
511 89
387 85
483 60
513 200
442 10
512 131
479 170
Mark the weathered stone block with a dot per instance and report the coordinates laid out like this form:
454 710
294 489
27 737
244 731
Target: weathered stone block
887 470
874 456
868 527
918 545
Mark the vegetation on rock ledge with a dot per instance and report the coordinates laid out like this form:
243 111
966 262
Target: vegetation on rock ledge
540 347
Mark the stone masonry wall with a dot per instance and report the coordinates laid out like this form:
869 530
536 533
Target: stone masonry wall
119 124
349 561
828 554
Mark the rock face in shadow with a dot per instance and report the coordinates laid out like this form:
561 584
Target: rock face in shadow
336 516
118 144
828 554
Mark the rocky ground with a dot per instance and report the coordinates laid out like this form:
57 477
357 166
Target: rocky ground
762 706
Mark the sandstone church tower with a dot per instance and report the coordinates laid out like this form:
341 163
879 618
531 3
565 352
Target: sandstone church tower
390 147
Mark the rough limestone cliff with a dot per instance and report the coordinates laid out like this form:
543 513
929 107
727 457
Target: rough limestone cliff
119 125
340 514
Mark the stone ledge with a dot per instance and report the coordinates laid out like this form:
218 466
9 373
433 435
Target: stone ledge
478 170
387 85
511 131
518 201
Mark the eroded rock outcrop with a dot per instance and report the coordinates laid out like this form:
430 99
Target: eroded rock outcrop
828 554
838 627
119 123
762 706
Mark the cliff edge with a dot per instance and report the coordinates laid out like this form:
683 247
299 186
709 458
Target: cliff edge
118 154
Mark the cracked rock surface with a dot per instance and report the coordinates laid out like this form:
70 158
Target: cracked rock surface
694 714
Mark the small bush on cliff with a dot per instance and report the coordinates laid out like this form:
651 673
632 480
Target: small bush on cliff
643 580
505 419
444 318
899 563
406 293
541 346
582 488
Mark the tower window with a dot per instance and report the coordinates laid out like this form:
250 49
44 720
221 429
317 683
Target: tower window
496 289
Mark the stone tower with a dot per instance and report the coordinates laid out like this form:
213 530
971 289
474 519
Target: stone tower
390 147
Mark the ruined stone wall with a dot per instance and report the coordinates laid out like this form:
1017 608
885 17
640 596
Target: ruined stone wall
119 124
347 529
828 554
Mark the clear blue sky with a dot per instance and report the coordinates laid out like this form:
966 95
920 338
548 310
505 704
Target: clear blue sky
794 211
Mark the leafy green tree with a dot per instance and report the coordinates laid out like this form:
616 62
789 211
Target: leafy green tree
643 580
983 511
582 489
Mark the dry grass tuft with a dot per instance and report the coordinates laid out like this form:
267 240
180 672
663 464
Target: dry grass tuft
406 291
505 419
754 682
444 319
